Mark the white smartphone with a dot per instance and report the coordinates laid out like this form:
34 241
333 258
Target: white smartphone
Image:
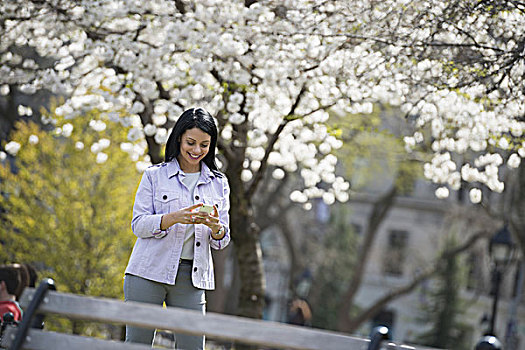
206 208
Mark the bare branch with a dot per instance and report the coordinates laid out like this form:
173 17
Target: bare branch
225 150
397 43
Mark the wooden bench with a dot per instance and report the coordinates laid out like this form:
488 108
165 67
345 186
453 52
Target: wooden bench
216 326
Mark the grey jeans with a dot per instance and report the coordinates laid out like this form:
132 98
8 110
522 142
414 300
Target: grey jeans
181 294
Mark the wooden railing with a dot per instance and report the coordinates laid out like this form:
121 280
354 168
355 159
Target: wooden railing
216 326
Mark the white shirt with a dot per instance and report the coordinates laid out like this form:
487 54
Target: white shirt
190 180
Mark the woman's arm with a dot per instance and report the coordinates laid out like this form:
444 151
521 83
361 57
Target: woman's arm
216 242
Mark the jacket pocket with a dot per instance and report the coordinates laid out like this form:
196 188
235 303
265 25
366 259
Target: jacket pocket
166 201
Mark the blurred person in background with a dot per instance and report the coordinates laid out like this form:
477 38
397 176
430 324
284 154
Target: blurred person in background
299 313
10 284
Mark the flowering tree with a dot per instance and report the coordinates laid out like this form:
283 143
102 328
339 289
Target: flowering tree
270 71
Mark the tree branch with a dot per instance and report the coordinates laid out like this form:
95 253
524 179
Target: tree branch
269 199
163 93
264 162
397 43
225 150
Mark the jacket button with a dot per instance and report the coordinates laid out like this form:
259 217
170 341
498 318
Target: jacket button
194 269
198 244
197 197
165 197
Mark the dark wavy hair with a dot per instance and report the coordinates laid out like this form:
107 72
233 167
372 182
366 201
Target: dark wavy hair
189 119
12 277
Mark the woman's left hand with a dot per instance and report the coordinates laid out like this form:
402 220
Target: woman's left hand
211 220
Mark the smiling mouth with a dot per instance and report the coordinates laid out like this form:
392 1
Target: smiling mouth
194 156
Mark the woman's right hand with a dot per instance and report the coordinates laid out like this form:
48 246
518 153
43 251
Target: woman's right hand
182 216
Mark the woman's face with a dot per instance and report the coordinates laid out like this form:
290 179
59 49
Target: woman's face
194 146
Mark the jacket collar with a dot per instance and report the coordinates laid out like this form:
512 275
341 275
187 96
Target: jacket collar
174 169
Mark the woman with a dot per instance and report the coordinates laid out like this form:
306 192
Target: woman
171 261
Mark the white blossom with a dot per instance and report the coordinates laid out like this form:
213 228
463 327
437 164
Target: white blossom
495 185
95 148
138 107
233 107
64 110
342 196
328 177
325 148
298 197
237 118
159 119
24 110
237 98
4 90
104 143
33 139
514 161
226 132
329 198
150 130
340 185
442 192
475 195
142 166
246 175
12 148
278 174
67 129
101 157
79 145
97 125
161 136
503 143
126 147
255 165
410 143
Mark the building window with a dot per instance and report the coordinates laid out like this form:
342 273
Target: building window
395 253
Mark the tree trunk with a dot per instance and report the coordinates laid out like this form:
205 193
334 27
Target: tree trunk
145 116
8 115
245 235
249 258
296 264
379 212
516 188
216 299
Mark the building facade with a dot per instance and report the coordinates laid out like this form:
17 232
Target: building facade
409 240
